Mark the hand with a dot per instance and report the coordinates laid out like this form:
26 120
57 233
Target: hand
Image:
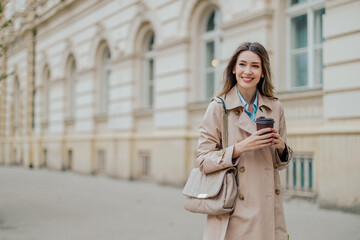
277 141
260 139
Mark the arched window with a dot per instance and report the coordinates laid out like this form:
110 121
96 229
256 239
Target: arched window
45 94
71 79
104 73
149 68
210 41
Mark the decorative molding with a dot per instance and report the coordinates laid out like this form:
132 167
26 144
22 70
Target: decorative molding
288 96
172 43
248 17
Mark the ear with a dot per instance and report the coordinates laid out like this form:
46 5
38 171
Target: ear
234 71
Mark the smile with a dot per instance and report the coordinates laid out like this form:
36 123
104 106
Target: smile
246 79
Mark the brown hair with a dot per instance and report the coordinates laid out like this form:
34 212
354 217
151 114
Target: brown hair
265 85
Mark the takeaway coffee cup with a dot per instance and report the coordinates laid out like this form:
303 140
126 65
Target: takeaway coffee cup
264 122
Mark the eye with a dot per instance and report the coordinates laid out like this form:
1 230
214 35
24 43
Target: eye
241 64
256 66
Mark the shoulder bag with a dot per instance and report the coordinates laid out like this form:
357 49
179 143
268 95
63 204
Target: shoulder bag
213 193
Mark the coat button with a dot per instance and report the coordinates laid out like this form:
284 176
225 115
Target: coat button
277 191
239 140
242 169
241 197
237 113
276 166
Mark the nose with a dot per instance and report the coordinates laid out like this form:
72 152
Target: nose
247 70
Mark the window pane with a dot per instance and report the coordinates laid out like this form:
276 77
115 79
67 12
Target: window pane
310 174
210 85
299 69
293 2
302 171
210 26
318 35
294 173
151 42
299 32
151 69
210 53
151 96
318 67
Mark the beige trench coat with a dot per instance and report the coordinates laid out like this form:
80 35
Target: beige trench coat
258 213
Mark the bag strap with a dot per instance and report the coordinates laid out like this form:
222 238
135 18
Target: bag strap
225 145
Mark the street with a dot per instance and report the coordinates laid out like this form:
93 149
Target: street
39 204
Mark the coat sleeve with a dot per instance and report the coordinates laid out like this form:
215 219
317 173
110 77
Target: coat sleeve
283 160
210 155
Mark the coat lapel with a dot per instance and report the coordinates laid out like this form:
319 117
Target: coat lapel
232 101
246 124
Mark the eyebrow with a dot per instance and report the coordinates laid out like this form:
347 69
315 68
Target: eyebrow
246 62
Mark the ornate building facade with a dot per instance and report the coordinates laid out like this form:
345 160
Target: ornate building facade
119 87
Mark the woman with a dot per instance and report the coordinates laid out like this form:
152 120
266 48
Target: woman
259 155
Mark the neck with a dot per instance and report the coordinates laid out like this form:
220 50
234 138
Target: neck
248 95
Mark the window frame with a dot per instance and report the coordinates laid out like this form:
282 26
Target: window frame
206 37
71 80
305 8
103 80
148 56
46 94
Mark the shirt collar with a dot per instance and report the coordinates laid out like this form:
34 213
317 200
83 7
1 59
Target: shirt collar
246 105
232 99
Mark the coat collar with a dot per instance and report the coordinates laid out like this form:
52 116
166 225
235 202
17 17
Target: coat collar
233 101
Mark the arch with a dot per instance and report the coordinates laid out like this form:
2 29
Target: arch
102 77
100 37
190 9
70 86
195 27
65 56
144 18
45 89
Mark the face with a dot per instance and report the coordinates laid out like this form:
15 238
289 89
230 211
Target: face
248 71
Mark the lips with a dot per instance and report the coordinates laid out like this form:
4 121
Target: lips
247 79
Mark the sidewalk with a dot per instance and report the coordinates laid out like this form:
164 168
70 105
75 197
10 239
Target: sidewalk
44 204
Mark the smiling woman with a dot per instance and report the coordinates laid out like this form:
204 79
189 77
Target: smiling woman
248 93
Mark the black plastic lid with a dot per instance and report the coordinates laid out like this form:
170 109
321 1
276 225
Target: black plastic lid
264 120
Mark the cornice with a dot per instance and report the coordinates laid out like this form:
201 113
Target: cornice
247 17
172 43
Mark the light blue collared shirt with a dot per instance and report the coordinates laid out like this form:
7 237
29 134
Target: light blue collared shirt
246 105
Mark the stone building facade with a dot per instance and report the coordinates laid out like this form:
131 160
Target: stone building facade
119 87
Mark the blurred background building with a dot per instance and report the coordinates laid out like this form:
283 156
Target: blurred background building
119 87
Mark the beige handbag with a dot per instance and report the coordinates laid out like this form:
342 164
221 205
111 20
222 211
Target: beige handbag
213 193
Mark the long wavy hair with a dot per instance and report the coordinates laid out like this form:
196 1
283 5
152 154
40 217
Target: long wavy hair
265 85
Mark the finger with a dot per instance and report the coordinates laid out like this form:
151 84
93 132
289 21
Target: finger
265 141
265 145
265 136
262 131
274 130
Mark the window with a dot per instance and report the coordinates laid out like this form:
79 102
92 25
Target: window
149 71
101 163
305 43
103 74
106 71
16 104
45 94
71 79
145 163
300 175
211 39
